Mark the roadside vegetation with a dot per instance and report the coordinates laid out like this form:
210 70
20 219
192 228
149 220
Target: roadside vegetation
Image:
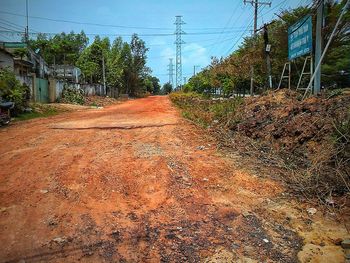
12 90
38 111
232 74
308 141
124 63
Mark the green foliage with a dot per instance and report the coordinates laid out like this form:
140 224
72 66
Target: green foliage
12 90
167 88
20 52
39 111
225 108
156 85
72 95
203 111
125 63
232 74
62 48
125 66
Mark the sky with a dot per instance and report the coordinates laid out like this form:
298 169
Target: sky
212 27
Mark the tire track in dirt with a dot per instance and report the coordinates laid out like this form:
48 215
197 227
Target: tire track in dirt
161 194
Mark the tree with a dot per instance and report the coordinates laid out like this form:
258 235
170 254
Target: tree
138 67
62 48
167 88
115 67
91 59
233 73
20 52
156 85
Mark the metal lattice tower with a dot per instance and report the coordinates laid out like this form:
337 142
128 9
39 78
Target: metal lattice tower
178 22
171 71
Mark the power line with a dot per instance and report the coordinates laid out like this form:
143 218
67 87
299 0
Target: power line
241 36
274 8
237 19
5 37
84 23
14 25
189 50
227 23
102 25
125 35
10 25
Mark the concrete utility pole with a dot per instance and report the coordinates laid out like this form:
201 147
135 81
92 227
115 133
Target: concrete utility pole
318 65
27 27
171 71
104 73
194 69
179 22
256 4
318 45
267 53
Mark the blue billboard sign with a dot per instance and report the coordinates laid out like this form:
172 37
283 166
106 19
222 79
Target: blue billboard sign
300 38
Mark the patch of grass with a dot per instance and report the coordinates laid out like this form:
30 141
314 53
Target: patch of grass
225 108
94 104
33 115
204 111
38 111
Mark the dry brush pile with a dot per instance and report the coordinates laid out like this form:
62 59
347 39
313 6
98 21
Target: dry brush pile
309 139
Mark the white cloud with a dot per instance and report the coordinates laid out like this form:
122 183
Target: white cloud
194 55
167 53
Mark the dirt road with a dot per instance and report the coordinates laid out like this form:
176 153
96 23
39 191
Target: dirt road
133 183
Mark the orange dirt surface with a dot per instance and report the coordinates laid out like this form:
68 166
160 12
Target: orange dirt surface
134 182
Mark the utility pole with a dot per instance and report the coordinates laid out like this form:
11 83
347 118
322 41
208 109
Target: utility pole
318 45
256 4
104 73
185 80
26 35
64 66
171 71
178 22
318 65
194 69
267 53
194 74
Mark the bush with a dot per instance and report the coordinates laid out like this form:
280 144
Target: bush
12 90
72 95
204 111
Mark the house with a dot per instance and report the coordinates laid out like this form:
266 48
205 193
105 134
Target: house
26 62
6 60
66 72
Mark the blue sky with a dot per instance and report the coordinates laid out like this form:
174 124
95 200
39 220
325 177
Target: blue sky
215 28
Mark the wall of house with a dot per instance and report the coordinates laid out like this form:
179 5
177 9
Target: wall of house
27 80
6 61
88 89
93 89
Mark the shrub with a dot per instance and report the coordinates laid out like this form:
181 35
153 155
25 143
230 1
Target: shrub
204 111
72 95
12 90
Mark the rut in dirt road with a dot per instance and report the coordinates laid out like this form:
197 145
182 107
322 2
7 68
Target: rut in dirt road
132 182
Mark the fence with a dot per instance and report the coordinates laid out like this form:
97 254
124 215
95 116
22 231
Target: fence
42 90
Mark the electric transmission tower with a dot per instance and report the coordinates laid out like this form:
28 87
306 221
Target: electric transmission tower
171 71
178 22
